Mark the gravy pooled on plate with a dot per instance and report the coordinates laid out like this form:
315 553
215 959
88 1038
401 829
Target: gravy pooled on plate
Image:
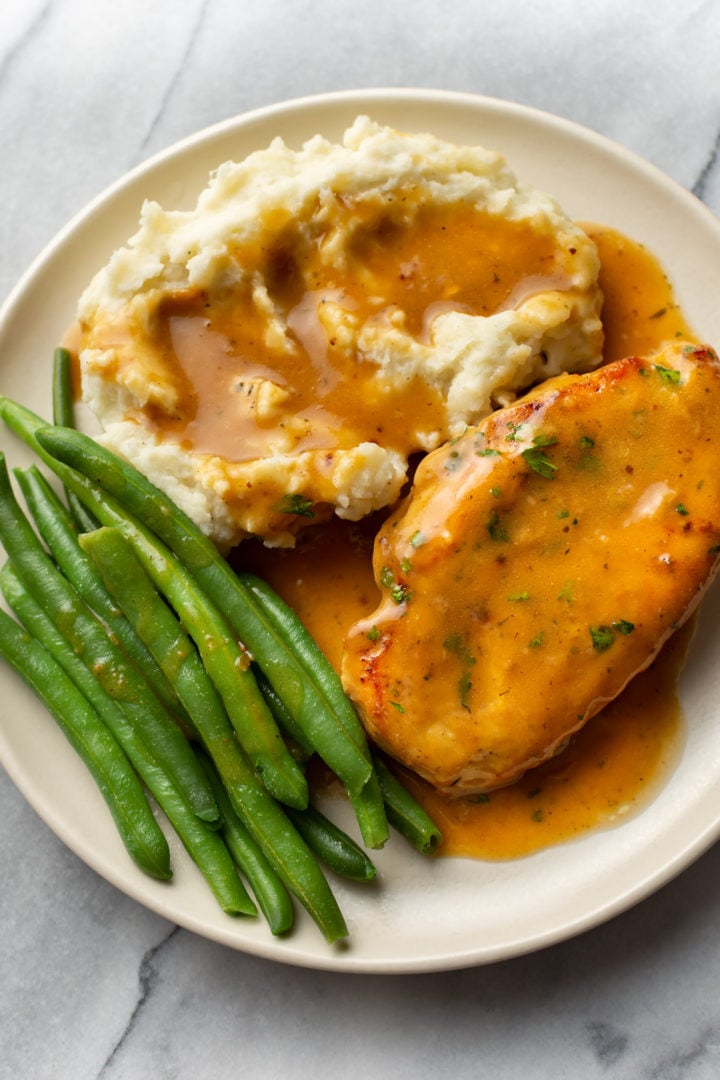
616 763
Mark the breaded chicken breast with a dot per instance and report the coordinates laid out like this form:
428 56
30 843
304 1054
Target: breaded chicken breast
540 562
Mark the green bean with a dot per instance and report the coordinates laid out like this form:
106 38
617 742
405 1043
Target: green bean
63 408
204 846
333 729
261 816
287 853
55 527
64 416
97 747
109 665
246 615
128 586
304 646
370 812
62 391
404 813
269 891
367 802
336 849
224 659
285 719
344 752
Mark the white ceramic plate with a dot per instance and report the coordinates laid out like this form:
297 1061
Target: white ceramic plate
422 915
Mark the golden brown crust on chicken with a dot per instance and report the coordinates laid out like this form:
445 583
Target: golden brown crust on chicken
540 561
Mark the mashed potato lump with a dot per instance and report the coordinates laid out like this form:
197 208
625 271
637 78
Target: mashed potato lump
280 352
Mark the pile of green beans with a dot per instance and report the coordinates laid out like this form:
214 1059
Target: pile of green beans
171 674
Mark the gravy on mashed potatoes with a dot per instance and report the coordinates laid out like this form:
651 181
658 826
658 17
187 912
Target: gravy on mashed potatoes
278 353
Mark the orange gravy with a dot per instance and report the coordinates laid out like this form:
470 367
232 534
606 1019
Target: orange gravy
403 267
616 763
640 312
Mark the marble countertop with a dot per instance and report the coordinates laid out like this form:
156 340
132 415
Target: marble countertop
92 984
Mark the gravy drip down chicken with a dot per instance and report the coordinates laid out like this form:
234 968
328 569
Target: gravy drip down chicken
540 561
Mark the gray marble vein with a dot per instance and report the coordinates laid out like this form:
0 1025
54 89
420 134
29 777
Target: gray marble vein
177 72
29 28
148 976
92 984
708 175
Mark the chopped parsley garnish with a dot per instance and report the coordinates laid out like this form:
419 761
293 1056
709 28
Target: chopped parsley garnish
464 688
398 592
417 539
387 578
373 634
682 510
405 565
488 453
539 462
496 530
454 643
496 492
296 504
586 442
512 432
588 461
624 627
537 640
668 375
602 637
397 705
566 593
544 440
563 514
519 596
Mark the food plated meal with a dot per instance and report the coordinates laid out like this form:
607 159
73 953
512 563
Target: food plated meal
311 509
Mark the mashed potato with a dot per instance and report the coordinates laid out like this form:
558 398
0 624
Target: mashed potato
278 353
